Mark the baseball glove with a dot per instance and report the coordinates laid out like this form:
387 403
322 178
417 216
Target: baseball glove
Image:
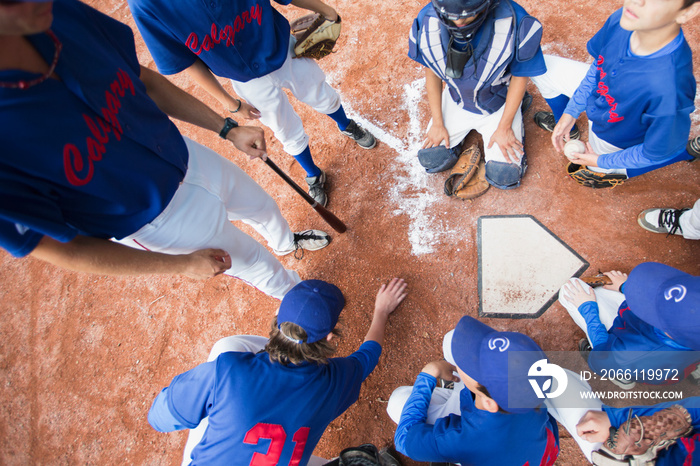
639 440
597 280
316 36
463 170
590 179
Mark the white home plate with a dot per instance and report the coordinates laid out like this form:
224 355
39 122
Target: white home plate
522 265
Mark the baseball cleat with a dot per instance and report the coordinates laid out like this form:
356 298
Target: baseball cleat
546 121
362 137
662 221
693 147
317 188
309 240
584 348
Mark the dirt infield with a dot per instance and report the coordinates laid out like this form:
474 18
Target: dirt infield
83 356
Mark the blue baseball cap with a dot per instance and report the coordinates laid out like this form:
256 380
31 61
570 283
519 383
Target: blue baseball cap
313 305
499 361
668 299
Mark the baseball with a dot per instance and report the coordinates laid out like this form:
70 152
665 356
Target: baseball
574 146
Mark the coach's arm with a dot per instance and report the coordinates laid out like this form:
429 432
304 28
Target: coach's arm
101 256
182 106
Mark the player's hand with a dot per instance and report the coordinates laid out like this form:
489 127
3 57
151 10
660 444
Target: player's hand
330 14
560 135
594 426
617 277
577 292
390 296
248 112
436 135
588 158
511 148
206 263
249 139
441 370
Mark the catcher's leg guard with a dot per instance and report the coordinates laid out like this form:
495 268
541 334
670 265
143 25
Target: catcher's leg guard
505 175
438 159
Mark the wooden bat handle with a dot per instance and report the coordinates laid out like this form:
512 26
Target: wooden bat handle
326 214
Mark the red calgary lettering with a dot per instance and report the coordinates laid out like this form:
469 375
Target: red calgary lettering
603 90
73 161
551 451
689 444
216 35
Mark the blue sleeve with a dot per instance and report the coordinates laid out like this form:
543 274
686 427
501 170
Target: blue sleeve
618 416
160 417
188 398
415 411
368 356
119 35
577 103
170 54
596 43
631 157
18 240
597 332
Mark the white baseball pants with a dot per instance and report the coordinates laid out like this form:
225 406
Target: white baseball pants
213 193
307 82
460 122
690 222
238 343
608 304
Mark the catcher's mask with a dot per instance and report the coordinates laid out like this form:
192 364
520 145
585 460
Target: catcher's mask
453 10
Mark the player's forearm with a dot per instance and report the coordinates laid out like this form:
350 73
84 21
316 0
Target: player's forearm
377 328
317 6
202 75
101 256
433 88
514 98
179 104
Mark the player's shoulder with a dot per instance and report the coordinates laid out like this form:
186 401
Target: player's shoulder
519 12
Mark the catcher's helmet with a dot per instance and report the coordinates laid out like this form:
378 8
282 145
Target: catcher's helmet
452 10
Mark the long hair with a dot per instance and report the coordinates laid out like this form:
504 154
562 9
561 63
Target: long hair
285 351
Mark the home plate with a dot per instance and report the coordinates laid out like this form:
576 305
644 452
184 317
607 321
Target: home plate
522 265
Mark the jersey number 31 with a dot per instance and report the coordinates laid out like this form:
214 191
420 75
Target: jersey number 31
277 436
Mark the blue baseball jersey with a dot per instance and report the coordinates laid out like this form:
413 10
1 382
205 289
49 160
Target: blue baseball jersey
475 436
632 344
88 154
236 39
507 44
686 450
261 412
640 99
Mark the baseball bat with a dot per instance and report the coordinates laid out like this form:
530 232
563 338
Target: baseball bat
326 214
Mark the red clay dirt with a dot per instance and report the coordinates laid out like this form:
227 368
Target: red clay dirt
83 356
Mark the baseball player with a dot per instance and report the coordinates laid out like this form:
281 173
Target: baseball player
685 222
638 93
492 416
260 401
647 321
112 165
595 427
248 41
456 41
